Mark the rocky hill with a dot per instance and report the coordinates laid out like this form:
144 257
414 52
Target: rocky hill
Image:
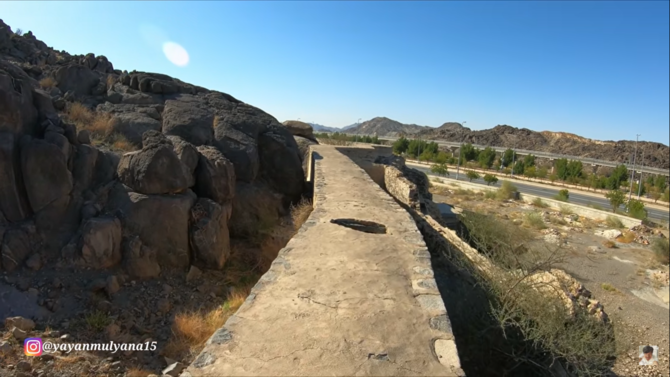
381 126
102 168
649 153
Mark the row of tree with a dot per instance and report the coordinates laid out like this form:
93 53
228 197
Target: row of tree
344 137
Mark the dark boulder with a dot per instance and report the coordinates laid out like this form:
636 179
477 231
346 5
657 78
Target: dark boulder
101 242
214 175
161 221
11 203
256 208
190 120
139 260
298 128
79 79
281 164
155 169
209 235
18 243
45 173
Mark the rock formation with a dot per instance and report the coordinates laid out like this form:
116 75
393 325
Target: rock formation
202 165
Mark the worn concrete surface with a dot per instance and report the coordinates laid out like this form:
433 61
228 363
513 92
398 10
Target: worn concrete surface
338 301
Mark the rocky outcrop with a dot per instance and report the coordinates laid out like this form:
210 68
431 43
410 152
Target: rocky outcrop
302 129
209 234
102 208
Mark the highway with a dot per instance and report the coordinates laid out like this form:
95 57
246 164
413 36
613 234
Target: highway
550 192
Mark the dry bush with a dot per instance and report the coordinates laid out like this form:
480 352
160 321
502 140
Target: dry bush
535 322
609 244
608 287
557 220
626 237
47 82
613 222
300 212
565 210
661 248
490 195
534 220
537 202
506 191
97 123
120 142
190 330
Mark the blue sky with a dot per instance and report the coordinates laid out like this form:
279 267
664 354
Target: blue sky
597 69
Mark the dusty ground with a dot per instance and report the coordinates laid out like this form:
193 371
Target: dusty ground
619 277
177 311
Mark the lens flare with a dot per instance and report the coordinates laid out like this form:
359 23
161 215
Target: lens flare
176 54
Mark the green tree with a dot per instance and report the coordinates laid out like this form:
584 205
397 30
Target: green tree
400 146
440 169
660 182
427 155
666 195
507 171
529 161
563 195
637 187
618 175
507 157
561 168
635 208
442 157
486 157
655 193
616 198
553 177
542 172
518 168
471 174
529 172
574 169
490 179
468 152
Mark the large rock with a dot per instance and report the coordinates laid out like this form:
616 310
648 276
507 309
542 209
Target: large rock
11 203
133 125
187 154
298 128
190 120
256 208
161 221
18 115
76 78
17 245
215 175
85 161
303 147
45 173
139 260
101 242
281 163
209 236
155 169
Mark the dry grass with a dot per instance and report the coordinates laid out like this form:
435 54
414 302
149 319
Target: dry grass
300 212
111 80
533 220
613 222
537 202
98 124
190 330
608 287
47 82
557 220
626 237
565 210
661 248
120 142
609 244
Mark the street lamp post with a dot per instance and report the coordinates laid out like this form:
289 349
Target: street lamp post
639 185
632 174
460 152
513 156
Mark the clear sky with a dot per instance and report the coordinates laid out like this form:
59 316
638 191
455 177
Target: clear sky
598 69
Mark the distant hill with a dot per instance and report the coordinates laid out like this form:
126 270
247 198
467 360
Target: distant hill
382 126
649 153
322 128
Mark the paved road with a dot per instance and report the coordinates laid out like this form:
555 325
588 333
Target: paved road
550 192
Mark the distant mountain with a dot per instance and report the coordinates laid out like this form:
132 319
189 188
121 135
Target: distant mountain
322 128
382 126
649 153
345 128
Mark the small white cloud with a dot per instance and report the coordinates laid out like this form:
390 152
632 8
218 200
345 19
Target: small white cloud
176 54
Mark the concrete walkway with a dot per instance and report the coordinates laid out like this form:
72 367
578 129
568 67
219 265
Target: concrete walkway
338 301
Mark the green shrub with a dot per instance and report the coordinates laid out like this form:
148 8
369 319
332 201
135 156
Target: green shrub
506 191
613 222
537 202
635 208
534 220
471 174
490 179
562 195
661 248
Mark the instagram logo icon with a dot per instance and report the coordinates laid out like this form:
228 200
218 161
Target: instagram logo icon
32 346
